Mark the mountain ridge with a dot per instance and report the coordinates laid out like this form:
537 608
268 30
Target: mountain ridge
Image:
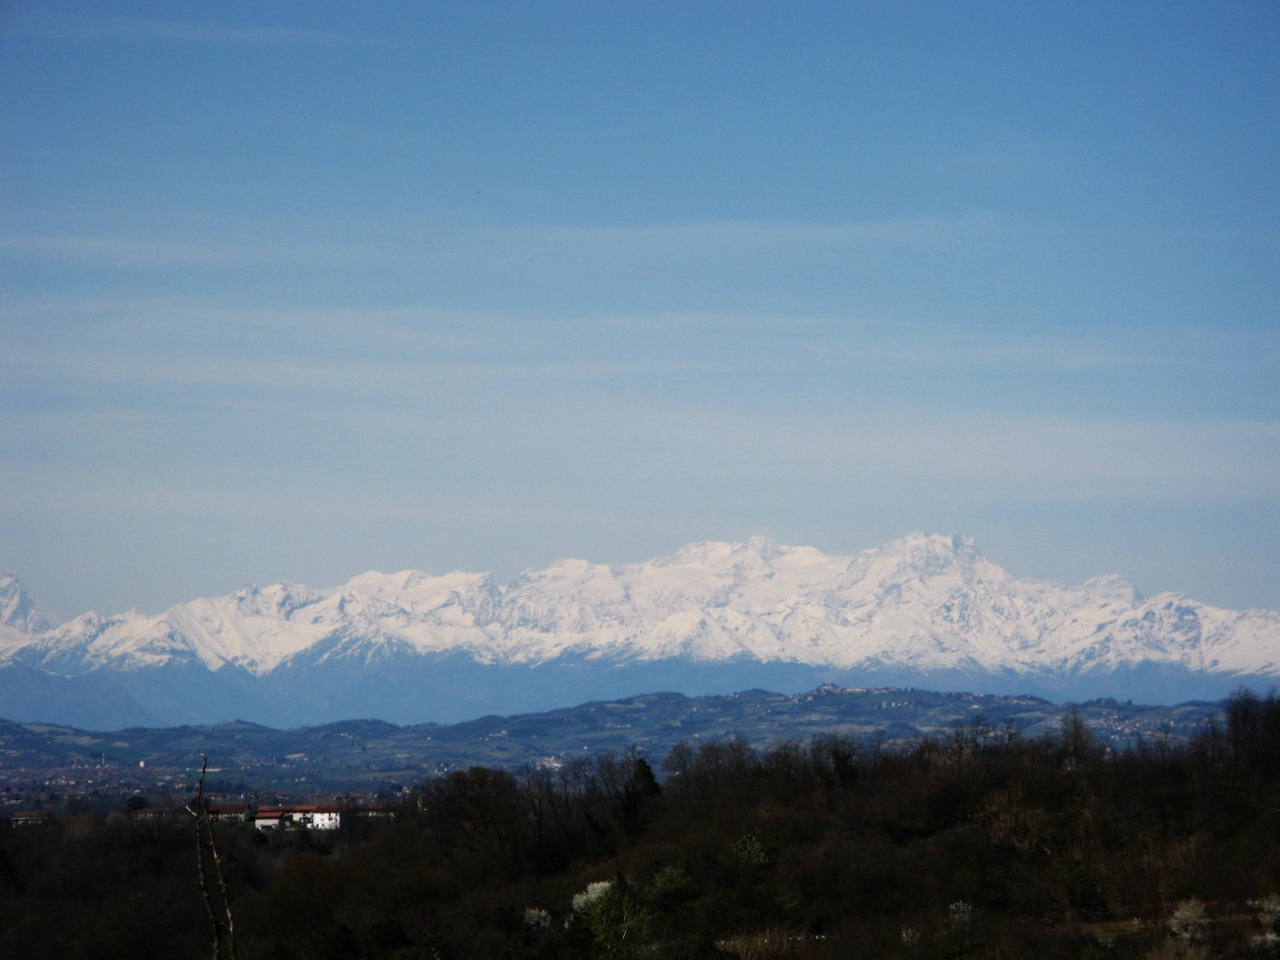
921 608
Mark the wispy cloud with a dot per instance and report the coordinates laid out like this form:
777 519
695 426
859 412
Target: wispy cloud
422 453
143 245
148 252
952 456
738 235
102 344
130 29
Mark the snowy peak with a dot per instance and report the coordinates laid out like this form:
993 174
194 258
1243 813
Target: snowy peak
19 611
715 572
757 552
414 589
925 602
933 548
923 556
920 565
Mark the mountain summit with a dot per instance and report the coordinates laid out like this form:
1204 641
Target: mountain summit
925 610
20 616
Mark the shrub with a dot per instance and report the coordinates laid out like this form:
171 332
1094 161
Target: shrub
1189 920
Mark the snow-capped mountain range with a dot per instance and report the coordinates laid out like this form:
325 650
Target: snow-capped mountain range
926 610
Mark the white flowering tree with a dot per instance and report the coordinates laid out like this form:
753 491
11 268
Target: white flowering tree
610 914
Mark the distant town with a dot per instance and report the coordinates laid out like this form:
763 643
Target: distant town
364 764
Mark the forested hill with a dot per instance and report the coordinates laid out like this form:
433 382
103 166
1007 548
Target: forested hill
362 754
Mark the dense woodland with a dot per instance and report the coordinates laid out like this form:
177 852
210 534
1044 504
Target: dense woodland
978 843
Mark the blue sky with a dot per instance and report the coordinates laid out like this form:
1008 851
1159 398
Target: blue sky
295 291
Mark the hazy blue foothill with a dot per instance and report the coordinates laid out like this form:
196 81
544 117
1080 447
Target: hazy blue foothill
371 754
